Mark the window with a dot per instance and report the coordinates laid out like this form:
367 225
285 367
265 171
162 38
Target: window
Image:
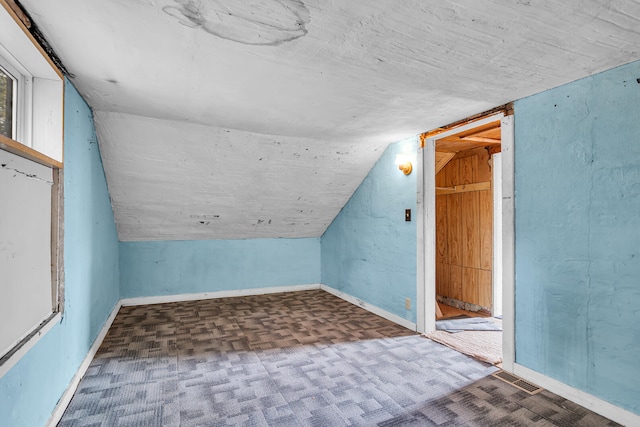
31 137
15 100
7 103
32 113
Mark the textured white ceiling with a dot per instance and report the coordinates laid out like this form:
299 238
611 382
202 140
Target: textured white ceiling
189 181
190 94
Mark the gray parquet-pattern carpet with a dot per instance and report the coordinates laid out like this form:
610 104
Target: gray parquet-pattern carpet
294 359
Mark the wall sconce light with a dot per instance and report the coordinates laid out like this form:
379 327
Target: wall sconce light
404 164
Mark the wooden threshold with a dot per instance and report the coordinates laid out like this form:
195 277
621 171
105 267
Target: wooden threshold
449 312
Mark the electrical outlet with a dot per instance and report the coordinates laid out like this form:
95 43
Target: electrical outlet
407 303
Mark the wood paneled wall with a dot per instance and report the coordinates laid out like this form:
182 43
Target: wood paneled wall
464 231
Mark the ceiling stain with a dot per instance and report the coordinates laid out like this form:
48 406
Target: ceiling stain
259 22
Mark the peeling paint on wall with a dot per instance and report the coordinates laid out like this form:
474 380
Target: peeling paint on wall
27 174
261 22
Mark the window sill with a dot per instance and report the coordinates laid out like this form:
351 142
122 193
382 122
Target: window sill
22 150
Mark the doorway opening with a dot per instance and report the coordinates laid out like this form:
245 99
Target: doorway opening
462 195
465 246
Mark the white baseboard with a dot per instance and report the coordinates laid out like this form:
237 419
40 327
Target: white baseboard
218 294
125 302
68 394
593 403
371 308
75 381
587 400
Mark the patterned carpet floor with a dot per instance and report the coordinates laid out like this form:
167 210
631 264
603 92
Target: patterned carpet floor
295 359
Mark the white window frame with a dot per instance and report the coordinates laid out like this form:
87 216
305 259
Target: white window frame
22 95
15 82
38 137
40 134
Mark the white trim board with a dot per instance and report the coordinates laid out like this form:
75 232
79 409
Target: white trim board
427 223
426 239
420 242
595 404
370 308
508 244
218 294
65 399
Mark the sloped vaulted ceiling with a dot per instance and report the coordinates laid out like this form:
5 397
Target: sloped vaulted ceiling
232 119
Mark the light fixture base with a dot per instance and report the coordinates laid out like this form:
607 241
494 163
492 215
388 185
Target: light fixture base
406 167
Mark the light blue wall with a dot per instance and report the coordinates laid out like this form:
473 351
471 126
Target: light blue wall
577 163
30 391
184 267
369 251
577 252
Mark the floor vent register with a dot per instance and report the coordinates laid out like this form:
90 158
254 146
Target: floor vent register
517 382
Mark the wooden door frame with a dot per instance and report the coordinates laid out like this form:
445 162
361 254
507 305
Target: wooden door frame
426 228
